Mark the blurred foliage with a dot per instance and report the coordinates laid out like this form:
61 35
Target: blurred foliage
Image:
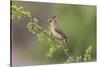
42 34
86 57
19 12
88 53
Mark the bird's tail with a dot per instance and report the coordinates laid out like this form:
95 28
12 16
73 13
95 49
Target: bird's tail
66 45
65 41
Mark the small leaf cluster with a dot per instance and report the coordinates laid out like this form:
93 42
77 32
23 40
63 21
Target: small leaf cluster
34 27
19 12
87 55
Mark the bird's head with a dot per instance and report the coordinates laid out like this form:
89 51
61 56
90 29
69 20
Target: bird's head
51 20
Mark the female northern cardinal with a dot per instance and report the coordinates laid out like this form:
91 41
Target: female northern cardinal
56 31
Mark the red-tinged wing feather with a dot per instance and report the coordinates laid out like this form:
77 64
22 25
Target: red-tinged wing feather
60 32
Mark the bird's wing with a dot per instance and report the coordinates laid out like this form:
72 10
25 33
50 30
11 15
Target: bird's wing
60 32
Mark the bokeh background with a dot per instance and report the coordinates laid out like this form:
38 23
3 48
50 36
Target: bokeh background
77 21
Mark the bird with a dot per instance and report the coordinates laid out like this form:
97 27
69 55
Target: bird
56 30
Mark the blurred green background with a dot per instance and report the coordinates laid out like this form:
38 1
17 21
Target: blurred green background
77 21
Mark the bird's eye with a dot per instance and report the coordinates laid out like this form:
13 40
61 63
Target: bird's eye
50 20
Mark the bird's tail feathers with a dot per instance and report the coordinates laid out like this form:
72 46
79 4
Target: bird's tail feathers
65 41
